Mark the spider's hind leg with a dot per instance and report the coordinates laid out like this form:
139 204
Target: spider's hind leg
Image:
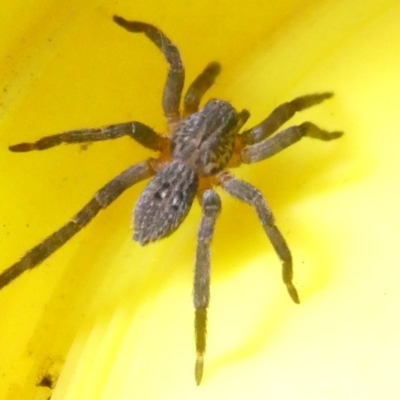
136 130
211 205
250 195
102 199
199 87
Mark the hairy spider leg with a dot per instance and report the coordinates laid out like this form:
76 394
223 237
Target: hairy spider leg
136 130
103 198
176 74
282 114
199 87
211 206
250 195
272 145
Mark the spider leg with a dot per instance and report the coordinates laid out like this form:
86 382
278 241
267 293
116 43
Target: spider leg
105 196
136 130
176 74
270 146
211 205
250 195
199 87
281 114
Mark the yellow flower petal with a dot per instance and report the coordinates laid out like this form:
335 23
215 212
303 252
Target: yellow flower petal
108 319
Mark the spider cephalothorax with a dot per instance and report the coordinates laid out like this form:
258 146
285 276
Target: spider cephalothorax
193 160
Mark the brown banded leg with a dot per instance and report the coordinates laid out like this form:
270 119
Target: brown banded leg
136 130
199 87
104 197
272 145
176 74
250 195
211 205
281 114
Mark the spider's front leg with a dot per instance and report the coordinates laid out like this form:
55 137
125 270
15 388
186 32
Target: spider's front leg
282 114
199 87
250 195
176 74
282 140
104 197
211 205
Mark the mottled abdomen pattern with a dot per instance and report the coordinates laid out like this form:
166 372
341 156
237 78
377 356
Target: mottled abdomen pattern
164 203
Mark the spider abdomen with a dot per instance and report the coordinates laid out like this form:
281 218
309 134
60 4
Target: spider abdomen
205 139
164 203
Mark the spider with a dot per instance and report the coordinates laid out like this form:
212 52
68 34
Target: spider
193 158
